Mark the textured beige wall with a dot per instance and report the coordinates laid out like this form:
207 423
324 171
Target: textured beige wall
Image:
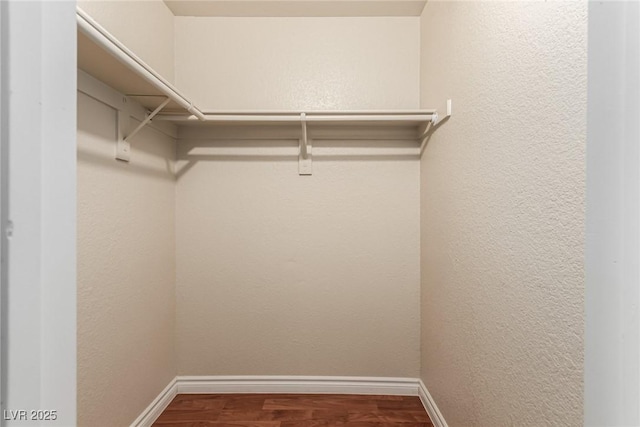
502 219
298 8
281 274
299 63
144 26
126 269
286 274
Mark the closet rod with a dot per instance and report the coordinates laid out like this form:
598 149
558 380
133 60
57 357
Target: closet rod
109 43
310 117
316 112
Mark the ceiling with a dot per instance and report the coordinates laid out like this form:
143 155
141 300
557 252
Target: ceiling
312 8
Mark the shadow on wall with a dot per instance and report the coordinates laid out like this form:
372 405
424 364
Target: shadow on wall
426 136
128 167
149 154
149 151
190 152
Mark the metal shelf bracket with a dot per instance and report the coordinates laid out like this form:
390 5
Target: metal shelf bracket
305 166
437 118
123 146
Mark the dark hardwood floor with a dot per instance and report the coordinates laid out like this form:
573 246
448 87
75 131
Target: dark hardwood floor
293 410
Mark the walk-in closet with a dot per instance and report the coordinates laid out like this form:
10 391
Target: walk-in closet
311 213
267 221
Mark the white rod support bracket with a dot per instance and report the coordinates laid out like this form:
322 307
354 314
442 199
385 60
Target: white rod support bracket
304 140
305 166
123 148
147 120
437 118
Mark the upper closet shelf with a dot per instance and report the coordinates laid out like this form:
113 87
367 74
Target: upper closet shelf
329 118
104 57
107 59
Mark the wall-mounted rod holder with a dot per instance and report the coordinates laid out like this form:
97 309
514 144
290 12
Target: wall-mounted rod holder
123 148
304 141
304 157
435 120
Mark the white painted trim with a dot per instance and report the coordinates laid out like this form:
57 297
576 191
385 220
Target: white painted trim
298 384
159 404
612 228
38 231
430 406
290 385
4 116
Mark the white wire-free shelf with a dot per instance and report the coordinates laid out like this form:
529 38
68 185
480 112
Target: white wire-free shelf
104 57
330 118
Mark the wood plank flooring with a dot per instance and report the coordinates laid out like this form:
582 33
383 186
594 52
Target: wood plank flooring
293 410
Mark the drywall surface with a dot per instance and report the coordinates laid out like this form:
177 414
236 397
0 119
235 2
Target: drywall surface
126 269
296 8
502 212
144 26
299 63
281 274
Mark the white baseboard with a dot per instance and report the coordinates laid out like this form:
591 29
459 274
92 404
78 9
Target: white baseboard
430 406
298 384
153 411
291 385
